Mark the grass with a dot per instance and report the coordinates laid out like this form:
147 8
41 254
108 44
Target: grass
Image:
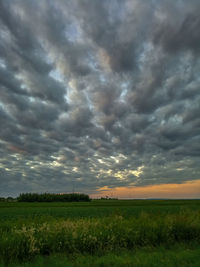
177 256
13 211
96 231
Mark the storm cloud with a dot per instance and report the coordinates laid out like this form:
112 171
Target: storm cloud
98 94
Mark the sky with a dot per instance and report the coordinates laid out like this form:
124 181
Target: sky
100 97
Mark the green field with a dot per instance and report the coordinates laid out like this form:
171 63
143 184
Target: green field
100 233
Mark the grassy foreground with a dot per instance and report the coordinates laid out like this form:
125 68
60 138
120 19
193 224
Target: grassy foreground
180 256
53 238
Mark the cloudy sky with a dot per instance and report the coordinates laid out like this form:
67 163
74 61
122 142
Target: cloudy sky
101 97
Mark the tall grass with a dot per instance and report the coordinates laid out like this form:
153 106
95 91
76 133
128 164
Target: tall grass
97 235
179 256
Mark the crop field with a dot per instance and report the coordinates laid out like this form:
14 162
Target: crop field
100 233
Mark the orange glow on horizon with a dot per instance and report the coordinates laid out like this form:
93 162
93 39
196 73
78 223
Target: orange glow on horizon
189 189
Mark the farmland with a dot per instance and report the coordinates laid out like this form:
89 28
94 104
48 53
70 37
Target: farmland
100 233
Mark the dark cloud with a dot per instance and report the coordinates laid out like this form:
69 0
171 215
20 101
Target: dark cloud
184 36
98 93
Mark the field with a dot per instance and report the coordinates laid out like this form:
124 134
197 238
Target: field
100 233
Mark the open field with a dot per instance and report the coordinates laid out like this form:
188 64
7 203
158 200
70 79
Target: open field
90 234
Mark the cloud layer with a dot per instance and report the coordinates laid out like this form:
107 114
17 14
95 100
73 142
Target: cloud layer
98 94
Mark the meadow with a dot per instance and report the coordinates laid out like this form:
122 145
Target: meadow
100 233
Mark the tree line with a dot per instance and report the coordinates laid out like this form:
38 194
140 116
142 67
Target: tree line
50 197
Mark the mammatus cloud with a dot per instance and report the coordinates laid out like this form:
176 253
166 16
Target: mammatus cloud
98 94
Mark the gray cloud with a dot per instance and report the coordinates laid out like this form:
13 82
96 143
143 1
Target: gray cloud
98 93
175 37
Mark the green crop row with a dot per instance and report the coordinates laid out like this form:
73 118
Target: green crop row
19 212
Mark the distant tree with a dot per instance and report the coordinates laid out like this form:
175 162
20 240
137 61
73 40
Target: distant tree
48 197
2 199
10 199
